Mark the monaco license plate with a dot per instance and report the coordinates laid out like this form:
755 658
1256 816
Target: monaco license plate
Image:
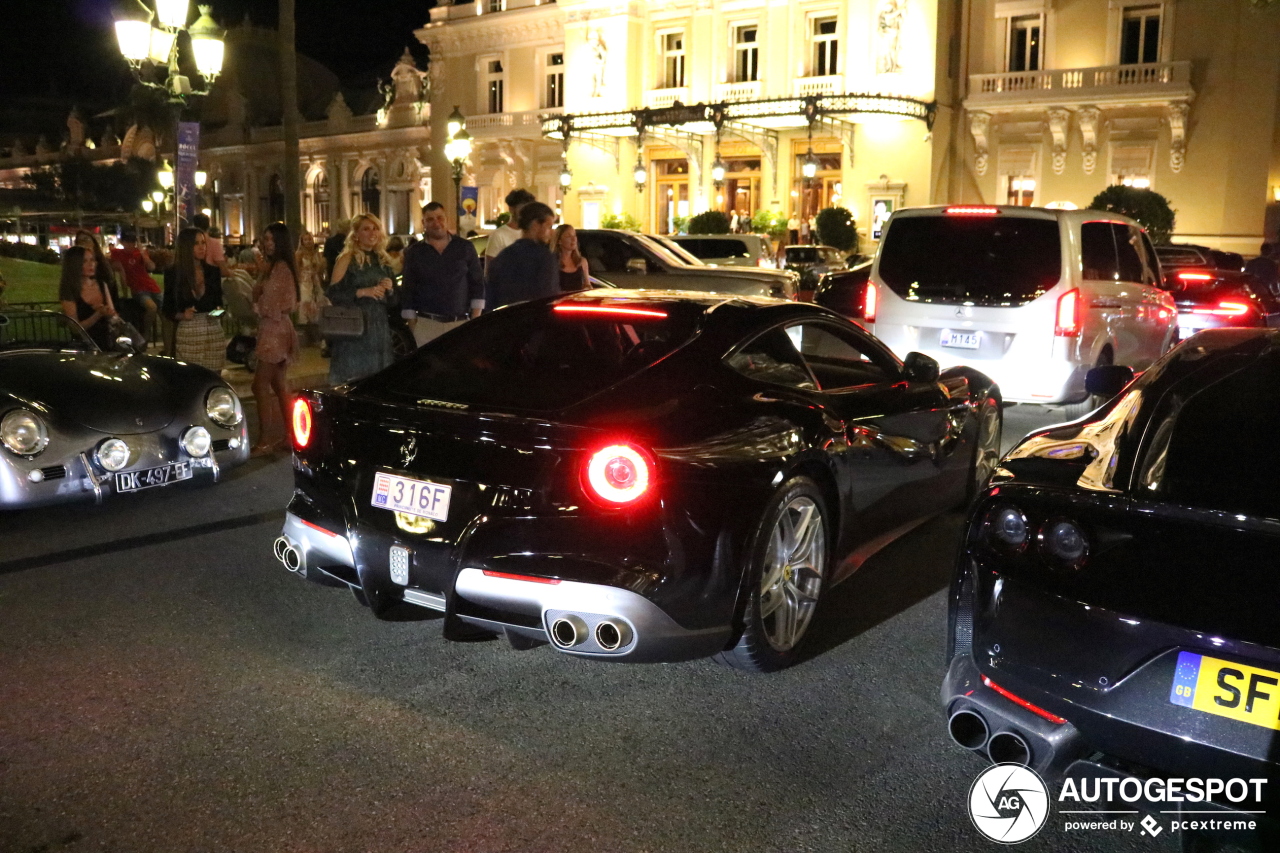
963 340
133 481
1227 689
415 497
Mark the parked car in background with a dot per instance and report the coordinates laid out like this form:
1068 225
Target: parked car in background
812 262
620 256
1112 611
631 475
848 292
676 249
737 250
1215 299
77 423
1182 255
1032 297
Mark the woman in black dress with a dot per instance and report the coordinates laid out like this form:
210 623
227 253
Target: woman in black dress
84 297
571 264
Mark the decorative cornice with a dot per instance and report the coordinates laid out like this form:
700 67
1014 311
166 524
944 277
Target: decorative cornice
1179 113
1089 119
1059 121
500 30
980 127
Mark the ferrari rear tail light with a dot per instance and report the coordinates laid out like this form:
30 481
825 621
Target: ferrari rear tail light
618 474
870 302
1067 318
972 211
301 423
1225 308
1023 703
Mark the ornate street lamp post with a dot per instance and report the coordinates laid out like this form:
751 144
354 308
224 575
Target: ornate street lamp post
456 151
149 41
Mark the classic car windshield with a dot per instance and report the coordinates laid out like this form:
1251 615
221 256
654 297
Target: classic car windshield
43 330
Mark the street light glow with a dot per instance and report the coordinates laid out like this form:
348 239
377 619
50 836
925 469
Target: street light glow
157 196
161 44
165 177
133 30
456 122
207 44
202 178
148 205
172 13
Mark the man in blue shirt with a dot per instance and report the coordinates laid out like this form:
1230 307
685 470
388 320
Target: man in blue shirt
526 269
443 285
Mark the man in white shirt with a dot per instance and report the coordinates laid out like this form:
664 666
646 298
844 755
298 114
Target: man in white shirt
504 235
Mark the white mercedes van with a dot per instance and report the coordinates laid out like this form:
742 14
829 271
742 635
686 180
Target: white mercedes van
1033 298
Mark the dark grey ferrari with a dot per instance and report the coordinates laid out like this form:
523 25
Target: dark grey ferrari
1113 616
78 423
632 475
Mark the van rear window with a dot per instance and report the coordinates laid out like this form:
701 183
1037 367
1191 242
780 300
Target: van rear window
983 260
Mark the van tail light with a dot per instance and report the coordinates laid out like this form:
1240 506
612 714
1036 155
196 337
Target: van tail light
301 423
870 302
618 474
1225 308
1067 319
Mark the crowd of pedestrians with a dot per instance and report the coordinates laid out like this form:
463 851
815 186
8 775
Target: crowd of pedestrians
279 291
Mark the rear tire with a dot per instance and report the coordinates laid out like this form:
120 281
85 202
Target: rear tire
787 572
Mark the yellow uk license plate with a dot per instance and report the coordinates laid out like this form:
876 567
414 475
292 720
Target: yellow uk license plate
1227 689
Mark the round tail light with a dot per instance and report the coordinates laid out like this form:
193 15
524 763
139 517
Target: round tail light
301 423
618 474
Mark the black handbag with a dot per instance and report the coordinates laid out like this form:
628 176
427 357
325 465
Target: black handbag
341 322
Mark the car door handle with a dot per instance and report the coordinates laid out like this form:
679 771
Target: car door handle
1106 303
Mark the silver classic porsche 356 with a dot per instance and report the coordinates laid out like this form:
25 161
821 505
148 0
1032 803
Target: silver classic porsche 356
79 423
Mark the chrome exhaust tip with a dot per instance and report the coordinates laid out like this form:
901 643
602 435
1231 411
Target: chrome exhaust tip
968 729
279 546
568 631
1009 748
611 635
292 559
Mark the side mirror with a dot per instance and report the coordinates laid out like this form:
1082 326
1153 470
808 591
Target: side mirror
920 367
639 265
1108 380
125 344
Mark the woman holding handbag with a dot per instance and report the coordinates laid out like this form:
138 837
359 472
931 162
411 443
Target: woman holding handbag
193 300
275 296
362 277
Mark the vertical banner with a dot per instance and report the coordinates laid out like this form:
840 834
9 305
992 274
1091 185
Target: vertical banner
184 180
468 202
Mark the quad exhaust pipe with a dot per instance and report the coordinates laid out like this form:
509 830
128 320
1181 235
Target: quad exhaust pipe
570 630
287 554
970 730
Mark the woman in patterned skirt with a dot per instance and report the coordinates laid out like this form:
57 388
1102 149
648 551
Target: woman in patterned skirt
192 290
362 276
311 268
275 296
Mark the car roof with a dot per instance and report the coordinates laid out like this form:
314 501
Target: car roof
640 298
1013 210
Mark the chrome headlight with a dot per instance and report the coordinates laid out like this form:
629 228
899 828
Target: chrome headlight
112 454
23 433
223 407
196 441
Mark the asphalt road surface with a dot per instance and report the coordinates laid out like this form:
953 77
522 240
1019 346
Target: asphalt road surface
166 686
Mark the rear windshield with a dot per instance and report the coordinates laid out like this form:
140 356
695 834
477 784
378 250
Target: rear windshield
716 248
984 260
802 255
539 359
1218 447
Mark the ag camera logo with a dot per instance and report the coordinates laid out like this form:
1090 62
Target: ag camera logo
1008 803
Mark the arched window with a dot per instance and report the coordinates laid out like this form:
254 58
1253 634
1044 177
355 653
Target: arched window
371 191
320 201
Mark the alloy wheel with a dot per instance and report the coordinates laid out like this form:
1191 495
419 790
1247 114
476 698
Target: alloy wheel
792 576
